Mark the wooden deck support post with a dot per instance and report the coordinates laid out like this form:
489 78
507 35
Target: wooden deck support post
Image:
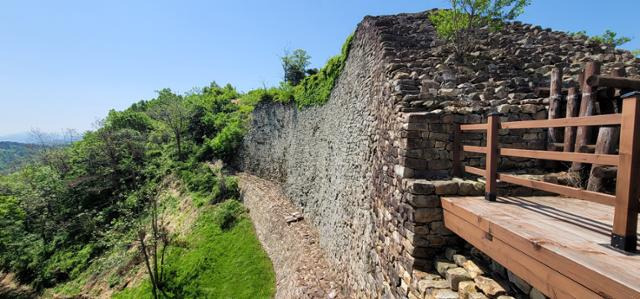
625 220
491 174
456 151
608 136
587 104
573 108
555 98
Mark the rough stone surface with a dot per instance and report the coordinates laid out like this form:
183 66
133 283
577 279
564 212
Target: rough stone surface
457 275
302 271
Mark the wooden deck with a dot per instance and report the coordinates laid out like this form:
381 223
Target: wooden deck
559 245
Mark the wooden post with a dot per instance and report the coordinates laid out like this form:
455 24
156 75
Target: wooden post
587 103
573 108
625 220
491 175
555 97
619 72
456 151
607 139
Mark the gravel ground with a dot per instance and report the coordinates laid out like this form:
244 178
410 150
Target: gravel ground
300 265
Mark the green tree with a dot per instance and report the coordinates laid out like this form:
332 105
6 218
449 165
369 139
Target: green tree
611 38
460 23
295 66
636 52
170 109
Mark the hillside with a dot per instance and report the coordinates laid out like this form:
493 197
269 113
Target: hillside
13 155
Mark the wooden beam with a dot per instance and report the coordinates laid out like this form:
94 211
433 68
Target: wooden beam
598 120
625 221
577 193
596 80
493 124
474 149
476 171
583 134
561 156
543 92
573 109
473 127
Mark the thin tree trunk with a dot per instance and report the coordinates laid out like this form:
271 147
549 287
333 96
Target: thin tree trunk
146 261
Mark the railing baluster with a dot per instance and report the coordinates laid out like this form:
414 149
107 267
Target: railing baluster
456 151
625 221
493 124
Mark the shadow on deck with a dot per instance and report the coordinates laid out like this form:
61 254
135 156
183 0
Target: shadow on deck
559 245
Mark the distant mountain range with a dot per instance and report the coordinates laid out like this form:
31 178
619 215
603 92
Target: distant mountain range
46 138
13 155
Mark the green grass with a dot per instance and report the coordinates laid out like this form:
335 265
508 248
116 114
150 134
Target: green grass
217 262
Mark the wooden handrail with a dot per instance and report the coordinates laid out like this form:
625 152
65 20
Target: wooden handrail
559 189
473 127
474 149
597 120
614 82
625 202
562 156
476 171
625 219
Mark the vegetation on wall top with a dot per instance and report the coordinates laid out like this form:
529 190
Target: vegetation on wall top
460 23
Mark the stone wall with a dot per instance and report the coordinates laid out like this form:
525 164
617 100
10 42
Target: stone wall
368 168
323 156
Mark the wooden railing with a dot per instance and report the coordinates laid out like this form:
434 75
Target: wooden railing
627 196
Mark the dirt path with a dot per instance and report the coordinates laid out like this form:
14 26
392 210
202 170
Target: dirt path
301 268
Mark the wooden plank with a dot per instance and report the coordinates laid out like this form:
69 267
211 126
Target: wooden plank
555 98
578 193
561 156
473 127
587 104
544 233
492 157
625 221
474 149
612 81
597 120
474 170
573 108
542 277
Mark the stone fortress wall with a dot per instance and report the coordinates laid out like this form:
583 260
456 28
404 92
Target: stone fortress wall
368 167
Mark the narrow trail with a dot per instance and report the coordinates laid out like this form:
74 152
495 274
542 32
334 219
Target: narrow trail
301 268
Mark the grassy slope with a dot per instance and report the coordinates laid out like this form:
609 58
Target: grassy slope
218 263
211 263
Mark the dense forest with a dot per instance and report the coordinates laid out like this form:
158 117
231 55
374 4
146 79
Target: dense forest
71 209
13 155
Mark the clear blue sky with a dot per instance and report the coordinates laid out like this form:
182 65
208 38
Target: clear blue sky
64 64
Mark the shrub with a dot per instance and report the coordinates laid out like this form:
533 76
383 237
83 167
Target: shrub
460 24
316 89
228 214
